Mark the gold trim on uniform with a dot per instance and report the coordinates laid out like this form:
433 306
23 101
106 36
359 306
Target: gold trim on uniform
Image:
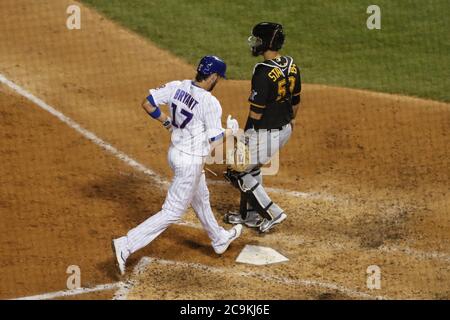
257 105
254 115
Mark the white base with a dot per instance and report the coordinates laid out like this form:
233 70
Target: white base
260 256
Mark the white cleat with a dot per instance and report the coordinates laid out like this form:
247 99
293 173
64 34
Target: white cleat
269 224
120 252
253 219
236 232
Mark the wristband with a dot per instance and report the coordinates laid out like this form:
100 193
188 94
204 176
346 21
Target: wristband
151 100
155 114
218 137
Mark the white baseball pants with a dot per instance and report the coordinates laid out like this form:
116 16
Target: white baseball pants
188 187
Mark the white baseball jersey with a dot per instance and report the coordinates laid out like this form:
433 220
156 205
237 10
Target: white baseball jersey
196 115
196 119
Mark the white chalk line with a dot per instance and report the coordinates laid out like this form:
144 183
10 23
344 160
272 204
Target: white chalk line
126 287
117 153
291 193
420 254
72 292
146 261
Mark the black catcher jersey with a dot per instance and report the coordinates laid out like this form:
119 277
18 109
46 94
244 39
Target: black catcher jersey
276 87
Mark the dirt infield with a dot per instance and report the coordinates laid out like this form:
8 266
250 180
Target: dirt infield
371 171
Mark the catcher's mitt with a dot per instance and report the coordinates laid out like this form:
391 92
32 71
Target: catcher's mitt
239 158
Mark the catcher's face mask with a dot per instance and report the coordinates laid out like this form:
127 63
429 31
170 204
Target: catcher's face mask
254 42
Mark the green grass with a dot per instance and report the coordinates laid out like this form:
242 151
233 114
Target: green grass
328 38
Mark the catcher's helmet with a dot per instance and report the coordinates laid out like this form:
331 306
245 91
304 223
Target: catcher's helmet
266 36
212 64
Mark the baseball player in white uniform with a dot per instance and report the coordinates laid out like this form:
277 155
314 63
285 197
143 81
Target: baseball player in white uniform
195 126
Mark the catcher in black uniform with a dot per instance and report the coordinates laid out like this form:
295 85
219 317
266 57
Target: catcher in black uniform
274 102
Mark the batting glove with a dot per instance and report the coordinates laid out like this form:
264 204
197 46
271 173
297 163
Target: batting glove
233 125
168 124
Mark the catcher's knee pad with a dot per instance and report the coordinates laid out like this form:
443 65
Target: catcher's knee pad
258 197
233 177
256 173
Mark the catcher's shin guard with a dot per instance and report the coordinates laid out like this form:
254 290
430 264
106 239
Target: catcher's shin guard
245 201
256 173
258 197
243 205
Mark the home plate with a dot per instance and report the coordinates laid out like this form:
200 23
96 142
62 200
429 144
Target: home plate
260 256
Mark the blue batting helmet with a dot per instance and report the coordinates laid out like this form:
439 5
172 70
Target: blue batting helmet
212 64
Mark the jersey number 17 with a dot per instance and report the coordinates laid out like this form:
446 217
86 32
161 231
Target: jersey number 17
187 114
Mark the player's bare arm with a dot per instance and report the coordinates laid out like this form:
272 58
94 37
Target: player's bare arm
295 110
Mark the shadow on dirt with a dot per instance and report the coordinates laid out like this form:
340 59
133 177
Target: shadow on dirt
133 197
374 229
